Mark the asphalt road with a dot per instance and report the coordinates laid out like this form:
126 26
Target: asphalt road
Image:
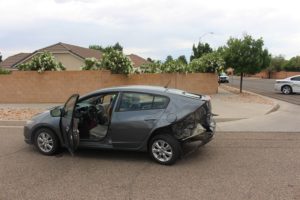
233 166
264 87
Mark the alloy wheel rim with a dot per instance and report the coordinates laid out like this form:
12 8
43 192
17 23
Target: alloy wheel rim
45 142
162 151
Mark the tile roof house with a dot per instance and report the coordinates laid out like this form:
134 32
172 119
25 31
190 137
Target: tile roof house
11 61
71 56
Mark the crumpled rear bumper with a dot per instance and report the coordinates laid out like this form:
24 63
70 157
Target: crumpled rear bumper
202 134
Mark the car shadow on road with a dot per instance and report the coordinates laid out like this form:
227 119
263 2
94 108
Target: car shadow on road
107 155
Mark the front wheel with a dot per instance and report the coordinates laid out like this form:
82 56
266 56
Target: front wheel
46 141
164 149
286 89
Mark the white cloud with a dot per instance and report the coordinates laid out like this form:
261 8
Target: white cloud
159 27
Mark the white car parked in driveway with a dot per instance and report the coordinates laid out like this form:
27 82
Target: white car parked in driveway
288 85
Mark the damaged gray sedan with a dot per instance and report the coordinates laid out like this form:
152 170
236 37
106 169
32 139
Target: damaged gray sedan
140 118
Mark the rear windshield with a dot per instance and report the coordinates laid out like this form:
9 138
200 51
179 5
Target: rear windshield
183 93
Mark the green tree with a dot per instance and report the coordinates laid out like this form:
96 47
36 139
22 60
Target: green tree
97 47
200 50
0 57
150 60
182 59
276 64
246 55
116 46
169 58
44 61
210 62
293 64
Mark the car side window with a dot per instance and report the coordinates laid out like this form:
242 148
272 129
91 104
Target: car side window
296 78
160 102
139 101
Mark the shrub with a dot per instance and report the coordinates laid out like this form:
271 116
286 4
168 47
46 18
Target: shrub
116 62
42 62
210 62
91 64
4 71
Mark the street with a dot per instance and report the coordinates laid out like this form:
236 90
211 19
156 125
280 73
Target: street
236 165
263 87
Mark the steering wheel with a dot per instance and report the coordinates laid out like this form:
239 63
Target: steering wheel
92 112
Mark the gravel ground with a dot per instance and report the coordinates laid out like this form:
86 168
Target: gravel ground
21 111
18 113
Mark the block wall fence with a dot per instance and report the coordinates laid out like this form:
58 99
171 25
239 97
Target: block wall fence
57 86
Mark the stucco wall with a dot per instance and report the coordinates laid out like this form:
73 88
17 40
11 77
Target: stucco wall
52 87
275 75
70 62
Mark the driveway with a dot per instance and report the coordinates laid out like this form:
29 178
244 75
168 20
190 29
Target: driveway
233 166
263 87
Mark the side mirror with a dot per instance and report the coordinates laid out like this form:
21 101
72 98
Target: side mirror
56 112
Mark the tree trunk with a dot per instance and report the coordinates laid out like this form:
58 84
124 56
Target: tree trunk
241 82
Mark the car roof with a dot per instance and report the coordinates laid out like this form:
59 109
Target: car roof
138 88
130 88
143 89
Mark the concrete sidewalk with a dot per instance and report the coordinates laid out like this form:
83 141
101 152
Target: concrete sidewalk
231 106
285 118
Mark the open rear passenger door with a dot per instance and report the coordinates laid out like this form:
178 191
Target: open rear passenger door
69 125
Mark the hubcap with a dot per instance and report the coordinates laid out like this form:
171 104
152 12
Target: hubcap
162 151
45 142
286 90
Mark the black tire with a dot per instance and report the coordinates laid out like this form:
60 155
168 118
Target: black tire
170 151
286 89
50 140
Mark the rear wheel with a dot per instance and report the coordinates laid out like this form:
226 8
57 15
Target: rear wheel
164 149
46 141
286 89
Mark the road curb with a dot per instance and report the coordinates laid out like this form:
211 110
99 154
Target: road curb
275 101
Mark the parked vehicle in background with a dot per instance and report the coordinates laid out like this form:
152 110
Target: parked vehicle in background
288 85
223 78
141 118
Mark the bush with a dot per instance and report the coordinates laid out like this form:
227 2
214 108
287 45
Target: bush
210 62
4 71
116 62
42 62
113 60
91 64
153 67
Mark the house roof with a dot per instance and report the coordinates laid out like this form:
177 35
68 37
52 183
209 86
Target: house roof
137 60
13 60
60 47
77 50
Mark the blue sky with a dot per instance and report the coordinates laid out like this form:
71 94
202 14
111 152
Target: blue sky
146 27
